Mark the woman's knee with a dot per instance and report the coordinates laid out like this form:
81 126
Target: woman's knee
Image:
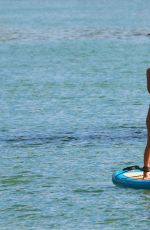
148 120
148 144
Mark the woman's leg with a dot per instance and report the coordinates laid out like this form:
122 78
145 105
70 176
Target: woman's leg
147 149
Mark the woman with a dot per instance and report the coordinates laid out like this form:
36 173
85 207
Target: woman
146 167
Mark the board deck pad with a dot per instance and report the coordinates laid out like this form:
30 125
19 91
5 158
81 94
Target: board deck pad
134 175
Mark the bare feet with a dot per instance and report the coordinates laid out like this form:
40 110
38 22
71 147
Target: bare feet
146 176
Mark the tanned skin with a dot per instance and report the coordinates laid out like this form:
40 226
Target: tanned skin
147 149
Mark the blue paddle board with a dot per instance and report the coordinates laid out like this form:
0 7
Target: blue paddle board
130 179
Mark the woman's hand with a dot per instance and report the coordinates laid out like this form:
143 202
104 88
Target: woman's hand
148 79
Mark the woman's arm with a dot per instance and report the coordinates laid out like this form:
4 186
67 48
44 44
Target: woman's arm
148 80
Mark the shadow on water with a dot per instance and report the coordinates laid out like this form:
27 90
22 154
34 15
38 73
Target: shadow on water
113 135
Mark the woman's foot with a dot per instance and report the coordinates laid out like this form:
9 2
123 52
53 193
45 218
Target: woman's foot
146 176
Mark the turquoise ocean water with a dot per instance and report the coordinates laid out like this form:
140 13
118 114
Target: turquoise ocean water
73 103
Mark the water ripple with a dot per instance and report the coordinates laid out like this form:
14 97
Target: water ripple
111 135
14 180
10 34
88 190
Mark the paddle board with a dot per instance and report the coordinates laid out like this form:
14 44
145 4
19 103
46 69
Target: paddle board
130 179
